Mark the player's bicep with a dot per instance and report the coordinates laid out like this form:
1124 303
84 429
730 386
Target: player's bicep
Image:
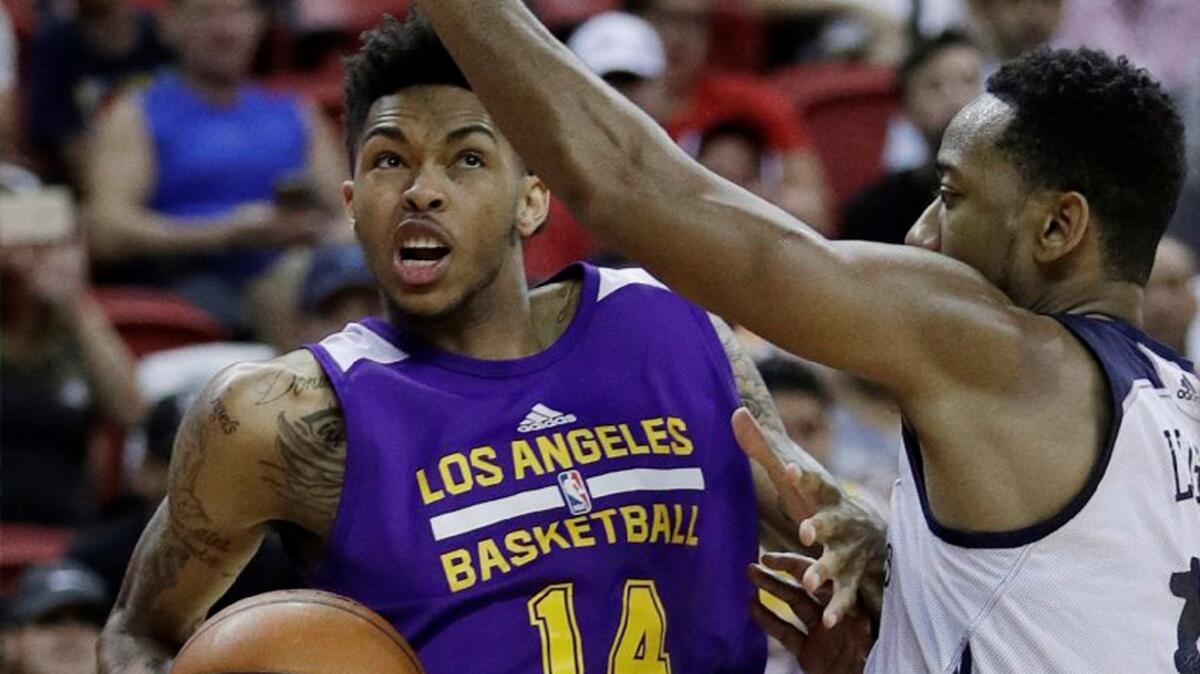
212 520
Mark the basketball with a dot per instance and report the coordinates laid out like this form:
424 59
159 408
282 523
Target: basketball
297 632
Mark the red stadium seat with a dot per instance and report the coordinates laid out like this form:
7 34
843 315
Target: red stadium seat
148 321
847 107
26 545
153 320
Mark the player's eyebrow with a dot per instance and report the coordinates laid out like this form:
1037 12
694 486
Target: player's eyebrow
387 131
471 129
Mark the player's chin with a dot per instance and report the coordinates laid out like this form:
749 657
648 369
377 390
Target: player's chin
427 302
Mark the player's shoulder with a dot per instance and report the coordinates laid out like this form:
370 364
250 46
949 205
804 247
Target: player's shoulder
259 392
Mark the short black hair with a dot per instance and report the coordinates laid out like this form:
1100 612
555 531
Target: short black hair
394 56
924 50
1087 122
788 375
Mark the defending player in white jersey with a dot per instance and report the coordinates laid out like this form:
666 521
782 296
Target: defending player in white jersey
1047 518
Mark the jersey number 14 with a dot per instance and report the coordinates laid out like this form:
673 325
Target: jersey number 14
639 647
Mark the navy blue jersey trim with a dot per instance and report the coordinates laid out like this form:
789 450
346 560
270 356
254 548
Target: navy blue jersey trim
1020 537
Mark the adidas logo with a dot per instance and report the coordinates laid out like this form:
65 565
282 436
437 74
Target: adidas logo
541 417
1186 390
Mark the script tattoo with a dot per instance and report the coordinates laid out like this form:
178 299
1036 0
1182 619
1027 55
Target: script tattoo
310 463
289 383
220 415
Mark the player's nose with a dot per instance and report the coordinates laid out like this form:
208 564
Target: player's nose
926 232
422 196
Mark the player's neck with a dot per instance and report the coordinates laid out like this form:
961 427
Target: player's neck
494 324
1116 299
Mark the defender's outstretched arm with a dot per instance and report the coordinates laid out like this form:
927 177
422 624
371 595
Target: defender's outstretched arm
880 311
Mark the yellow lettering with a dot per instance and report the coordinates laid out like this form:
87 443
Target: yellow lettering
662 524
554 452
655 435
427 495
580 532
677 537
490 558
583 446
520 544
610 442
606 517
691 536
523 459
682 445
635 523
459 573
634 447
455 484
545 537
487 473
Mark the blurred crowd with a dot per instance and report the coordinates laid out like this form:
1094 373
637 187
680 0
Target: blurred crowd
198 144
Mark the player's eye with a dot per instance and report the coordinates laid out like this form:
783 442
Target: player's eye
470 159
388 160
948 197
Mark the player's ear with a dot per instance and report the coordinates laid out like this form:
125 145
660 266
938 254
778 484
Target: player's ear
1064 228
348 203
534 206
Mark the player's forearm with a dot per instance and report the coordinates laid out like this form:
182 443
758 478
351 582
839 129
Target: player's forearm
617 170
120 651
108 363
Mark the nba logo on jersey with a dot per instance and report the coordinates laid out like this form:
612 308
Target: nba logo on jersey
575 492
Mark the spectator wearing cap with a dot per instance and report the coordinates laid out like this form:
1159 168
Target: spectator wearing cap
681 93
937 79
338 289
53 620
737 151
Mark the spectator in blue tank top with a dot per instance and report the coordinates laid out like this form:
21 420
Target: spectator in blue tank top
198 181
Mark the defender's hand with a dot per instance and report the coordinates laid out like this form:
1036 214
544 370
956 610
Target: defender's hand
852 535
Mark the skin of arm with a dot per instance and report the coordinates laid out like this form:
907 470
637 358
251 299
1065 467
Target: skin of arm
107 363
869 309
262 442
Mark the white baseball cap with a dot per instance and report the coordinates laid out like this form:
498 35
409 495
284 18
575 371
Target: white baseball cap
616 42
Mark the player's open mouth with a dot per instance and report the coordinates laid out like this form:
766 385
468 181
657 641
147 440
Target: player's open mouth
421 255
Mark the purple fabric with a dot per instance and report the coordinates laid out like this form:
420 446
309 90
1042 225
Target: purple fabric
637 381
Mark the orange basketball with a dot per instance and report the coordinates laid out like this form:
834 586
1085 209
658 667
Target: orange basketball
297 632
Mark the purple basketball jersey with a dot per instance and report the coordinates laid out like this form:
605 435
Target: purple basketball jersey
583 509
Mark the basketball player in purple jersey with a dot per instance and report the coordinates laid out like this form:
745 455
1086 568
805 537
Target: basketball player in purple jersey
519 481
1047 515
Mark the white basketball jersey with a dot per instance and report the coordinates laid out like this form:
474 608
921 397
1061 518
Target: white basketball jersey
1110 584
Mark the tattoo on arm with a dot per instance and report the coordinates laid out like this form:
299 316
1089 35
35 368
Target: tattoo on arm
756 398
310 463
285 383
220 415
